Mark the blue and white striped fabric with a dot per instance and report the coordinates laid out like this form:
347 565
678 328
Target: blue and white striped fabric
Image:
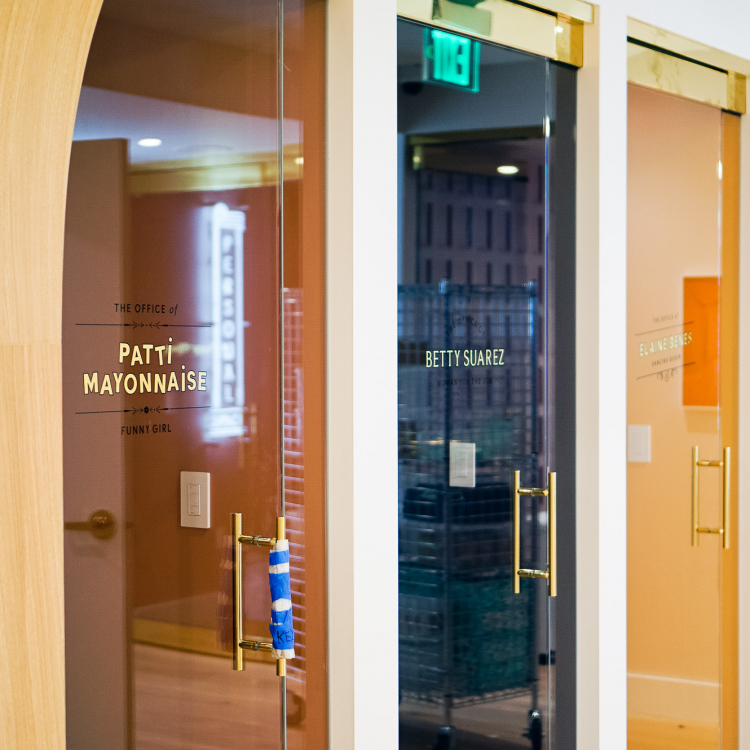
282 625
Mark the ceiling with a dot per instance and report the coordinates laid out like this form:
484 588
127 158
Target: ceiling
240 23
186 131
410 49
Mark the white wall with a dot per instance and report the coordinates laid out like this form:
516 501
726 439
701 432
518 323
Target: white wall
362 386
601 493
602 561
362 381
722 24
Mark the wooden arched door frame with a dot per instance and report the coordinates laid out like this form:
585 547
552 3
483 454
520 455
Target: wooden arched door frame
45 44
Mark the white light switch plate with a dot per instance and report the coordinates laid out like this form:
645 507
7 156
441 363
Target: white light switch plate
195 499
639 443
463 464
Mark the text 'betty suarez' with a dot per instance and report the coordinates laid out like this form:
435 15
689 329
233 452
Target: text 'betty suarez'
465 357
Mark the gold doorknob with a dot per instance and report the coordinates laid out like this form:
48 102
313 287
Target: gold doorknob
101 524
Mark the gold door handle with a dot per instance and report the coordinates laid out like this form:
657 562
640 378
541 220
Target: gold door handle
725 465
101 524
239 642
551 494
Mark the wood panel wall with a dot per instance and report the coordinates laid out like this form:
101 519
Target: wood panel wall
43 48
729 347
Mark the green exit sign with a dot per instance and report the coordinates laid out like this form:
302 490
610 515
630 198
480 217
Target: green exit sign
451 60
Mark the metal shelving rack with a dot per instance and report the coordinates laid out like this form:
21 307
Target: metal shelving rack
463 636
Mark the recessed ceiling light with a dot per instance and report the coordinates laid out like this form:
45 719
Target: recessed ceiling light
150 142
507 169
299 160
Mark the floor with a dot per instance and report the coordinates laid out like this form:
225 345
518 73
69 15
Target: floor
495 724
651 734
187 701
491 725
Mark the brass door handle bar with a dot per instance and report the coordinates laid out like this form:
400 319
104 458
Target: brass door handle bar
101 524
239 643
551 494
725 465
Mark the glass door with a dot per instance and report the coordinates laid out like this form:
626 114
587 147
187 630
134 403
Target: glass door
479 128
193 390
683 160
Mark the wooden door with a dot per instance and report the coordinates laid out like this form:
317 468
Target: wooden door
96 674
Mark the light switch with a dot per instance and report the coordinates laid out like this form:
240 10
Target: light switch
462 464
195 499
639 443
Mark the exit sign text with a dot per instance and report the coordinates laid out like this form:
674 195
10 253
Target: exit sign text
451 60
